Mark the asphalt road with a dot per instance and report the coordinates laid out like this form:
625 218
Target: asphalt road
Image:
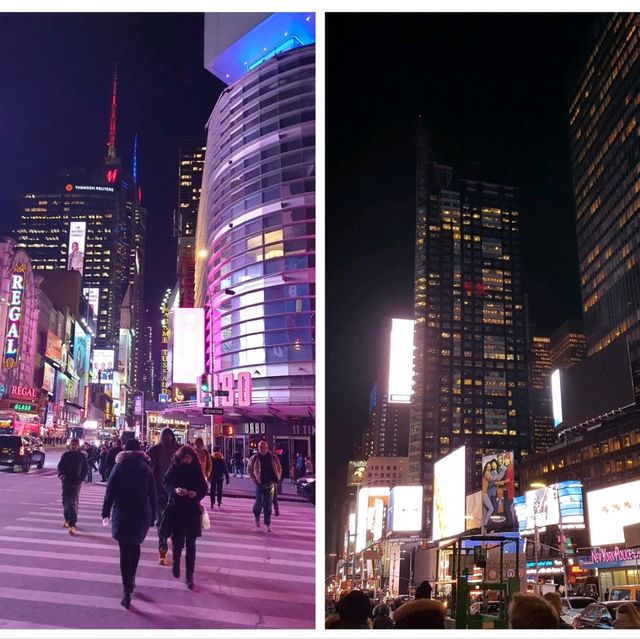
245 577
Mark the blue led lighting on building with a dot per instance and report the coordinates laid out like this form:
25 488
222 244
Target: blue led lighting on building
278 33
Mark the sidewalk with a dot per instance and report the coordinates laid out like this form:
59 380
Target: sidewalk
244 487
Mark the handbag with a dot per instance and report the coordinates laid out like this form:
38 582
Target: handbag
165 523
204 518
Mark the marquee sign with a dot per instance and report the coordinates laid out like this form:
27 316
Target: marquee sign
14 317
23 392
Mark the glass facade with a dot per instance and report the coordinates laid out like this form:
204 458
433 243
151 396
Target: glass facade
255 245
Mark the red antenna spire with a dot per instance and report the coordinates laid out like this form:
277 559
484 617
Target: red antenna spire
111 147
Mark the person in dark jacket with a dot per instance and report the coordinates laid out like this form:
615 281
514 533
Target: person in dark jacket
161 455
238 464
72 470
382 617
111 457
102 466
131 492
219 473
186 485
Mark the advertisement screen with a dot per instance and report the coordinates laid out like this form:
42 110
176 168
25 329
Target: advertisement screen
556 398
81 358
449 495
498 491
124 355
93 298
356 472
188 345
405 509
610 510
102 368
77 235
372 502
550 506
401 361
49 377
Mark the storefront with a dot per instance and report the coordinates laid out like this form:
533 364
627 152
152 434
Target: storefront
615 566
21 411
157 420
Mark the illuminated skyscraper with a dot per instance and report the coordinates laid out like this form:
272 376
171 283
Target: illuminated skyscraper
255 264
568 345
604 130
540 393
470 365
190 169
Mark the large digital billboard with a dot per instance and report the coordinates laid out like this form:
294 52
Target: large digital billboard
498 491
355 473
77 236
102 367
81 358
550 506
93 298
372 503
405 509
401 361
449 495
556 398
187 338
610 510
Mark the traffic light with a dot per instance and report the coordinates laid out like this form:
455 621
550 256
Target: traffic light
204 383
204 396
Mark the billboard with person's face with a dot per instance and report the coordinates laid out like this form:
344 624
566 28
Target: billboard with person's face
77 236
498 491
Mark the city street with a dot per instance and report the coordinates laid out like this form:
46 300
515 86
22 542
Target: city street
244 578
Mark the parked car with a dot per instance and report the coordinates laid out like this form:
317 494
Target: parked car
600 615
572 606
21 451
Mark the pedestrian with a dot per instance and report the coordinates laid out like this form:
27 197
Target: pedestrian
102 465
382 617
91 461
264 471
72 469
204 457
423 591
419 614
131 492
219 473
111 457
555 600
300 466
530 611
627 617
238 462
161 455
353 612
186 484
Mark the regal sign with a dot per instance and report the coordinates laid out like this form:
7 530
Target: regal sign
14 317
23 392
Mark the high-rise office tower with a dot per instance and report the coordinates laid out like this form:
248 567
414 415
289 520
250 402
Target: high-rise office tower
568 345
255 239
470 366
540 393
93 222
190 169
604 131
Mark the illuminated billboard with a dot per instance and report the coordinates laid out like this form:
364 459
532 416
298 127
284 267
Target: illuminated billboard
401 361
449 496
550 506
498 491
75 257
356 472
102 367
372 502
610 510
48 379
82 359
93 298
405 509
15 308
187 337
556 398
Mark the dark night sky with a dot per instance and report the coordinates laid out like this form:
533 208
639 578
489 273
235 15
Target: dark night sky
492 89
55 94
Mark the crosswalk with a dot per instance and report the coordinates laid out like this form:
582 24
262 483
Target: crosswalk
245 576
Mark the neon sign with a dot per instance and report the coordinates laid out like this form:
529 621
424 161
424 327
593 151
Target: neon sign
23 392
14 317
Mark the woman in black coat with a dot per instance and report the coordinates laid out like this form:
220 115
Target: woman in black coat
131 492
186 486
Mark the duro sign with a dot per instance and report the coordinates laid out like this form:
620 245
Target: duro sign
14 317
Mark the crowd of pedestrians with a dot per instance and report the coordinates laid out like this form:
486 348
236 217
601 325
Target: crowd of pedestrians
163 486
526 611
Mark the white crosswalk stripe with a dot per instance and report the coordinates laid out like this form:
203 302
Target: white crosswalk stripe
245 576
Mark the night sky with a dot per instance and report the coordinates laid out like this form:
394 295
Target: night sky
493 92
55 98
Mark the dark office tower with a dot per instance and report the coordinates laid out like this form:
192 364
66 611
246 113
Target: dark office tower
388 428
191 166
605 147
470 349
540 393
568 345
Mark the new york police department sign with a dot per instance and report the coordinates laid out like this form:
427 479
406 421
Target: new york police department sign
14 317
